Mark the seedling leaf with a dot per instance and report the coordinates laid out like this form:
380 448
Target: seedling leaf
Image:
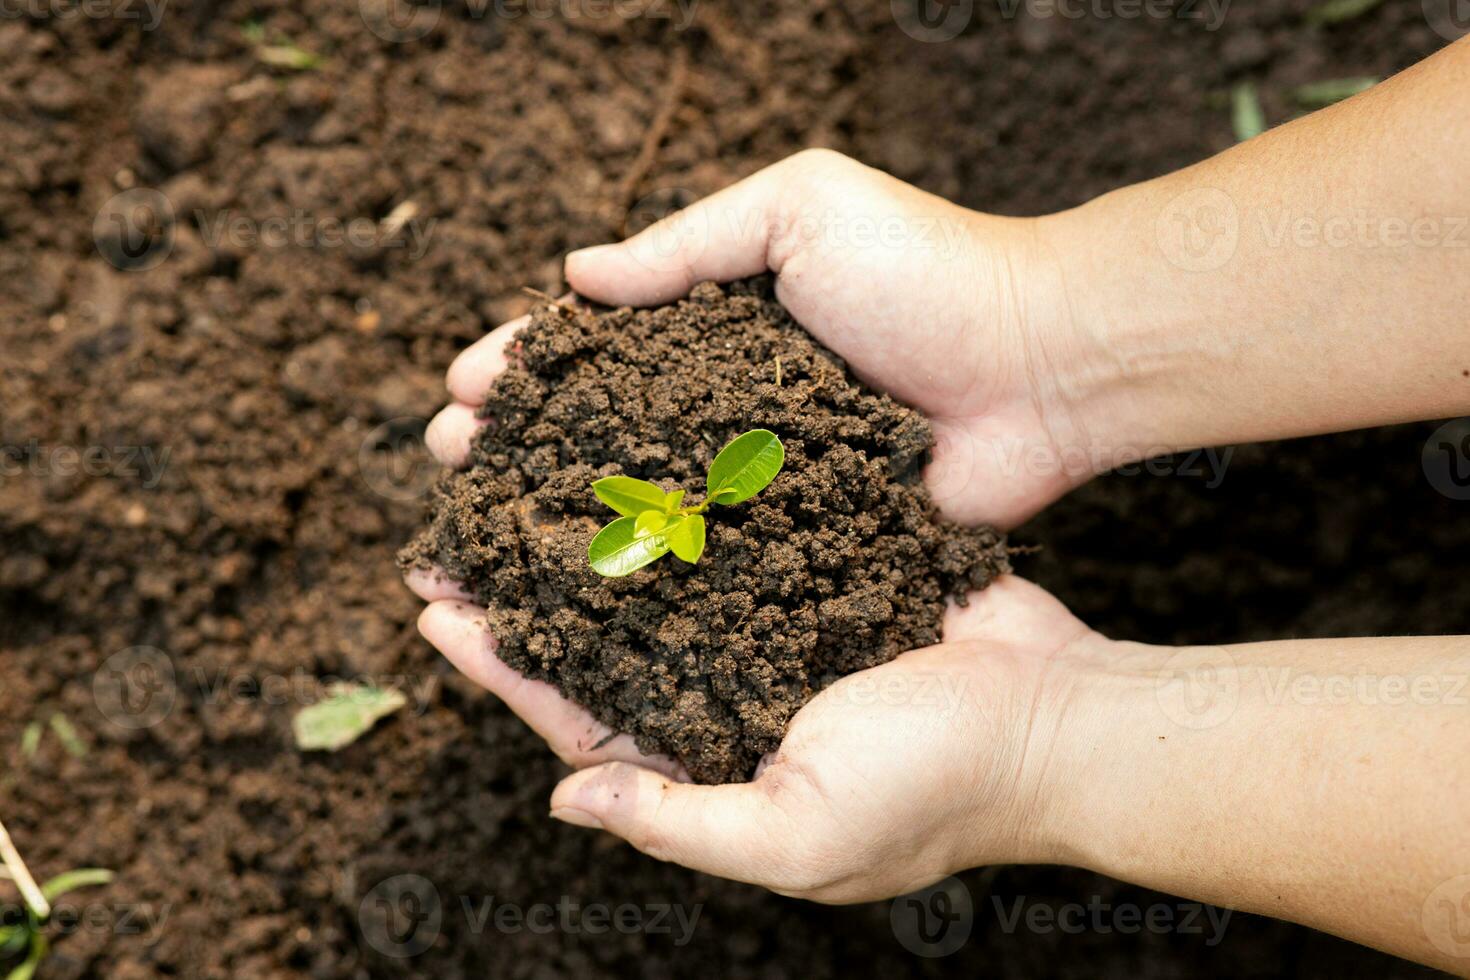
745 467
67 733
649 522
30 740
1246 116
1337 11
617 550
686 538
13 939
344 716
672 501
70 881
629 496
1319 95
39 948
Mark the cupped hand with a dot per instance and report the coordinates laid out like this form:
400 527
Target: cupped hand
963 315
942 759
896 776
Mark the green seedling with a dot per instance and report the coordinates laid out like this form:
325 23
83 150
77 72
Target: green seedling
26 941
1246 117
1337 11
655 522
282 55
1319 95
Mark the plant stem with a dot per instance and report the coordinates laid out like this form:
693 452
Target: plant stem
29 890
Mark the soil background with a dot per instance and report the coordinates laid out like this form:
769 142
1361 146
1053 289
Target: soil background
283 384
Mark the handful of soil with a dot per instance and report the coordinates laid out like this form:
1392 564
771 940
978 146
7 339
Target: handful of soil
839 565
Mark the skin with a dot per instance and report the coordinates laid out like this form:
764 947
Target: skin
1320 781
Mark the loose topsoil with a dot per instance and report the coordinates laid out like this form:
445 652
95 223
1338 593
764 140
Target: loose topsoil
839 565
283 386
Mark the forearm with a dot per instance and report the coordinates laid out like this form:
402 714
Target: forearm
1315 278
1324 781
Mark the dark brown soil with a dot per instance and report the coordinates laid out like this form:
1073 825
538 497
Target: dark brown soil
841 564
269 376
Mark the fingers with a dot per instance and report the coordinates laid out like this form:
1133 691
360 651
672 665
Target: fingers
433 585
482 362
730 831
457 629
450 432
725 236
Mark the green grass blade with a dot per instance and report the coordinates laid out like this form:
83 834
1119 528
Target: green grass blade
27 970
1246 116
1337 11
67 733
70 881
1319 95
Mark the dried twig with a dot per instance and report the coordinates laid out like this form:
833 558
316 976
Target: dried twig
29 890
778 370
548 298
653 139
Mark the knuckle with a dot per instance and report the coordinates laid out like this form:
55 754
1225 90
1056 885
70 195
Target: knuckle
820 158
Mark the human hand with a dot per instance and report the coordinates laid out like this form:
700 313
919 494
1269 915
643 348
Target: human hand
888 780
960 314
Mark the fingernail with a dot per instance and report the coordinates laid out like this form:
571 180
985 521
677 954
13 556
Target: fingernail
575 817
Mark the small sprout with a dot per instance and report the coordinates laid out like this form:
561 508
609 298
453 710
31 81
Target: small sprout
1319 95
1337 11
67 733
26 940
1246 116
653 522
344 716
283 55
30 740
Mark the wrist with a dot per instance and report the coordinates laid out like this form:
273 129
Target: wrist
1115 713
1138 356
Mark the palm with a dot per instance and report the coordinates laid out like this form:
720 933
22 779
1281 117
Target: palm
856 765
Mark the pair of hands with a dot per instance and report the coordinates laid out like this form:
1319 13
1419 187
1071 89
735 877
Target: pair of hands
895 777
1191 310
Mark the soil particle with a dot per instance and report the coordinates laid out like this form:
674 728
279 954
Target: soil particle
841 564
180 112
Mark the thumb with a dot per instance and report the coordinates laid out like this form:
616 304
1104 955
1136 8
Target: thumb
722 237
734 831
731 234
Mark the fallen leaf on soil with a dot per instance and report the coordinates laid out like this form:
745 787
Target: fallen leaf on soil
344 716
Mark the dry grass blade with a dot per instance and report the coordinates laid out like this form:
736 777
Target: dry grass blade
21 875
